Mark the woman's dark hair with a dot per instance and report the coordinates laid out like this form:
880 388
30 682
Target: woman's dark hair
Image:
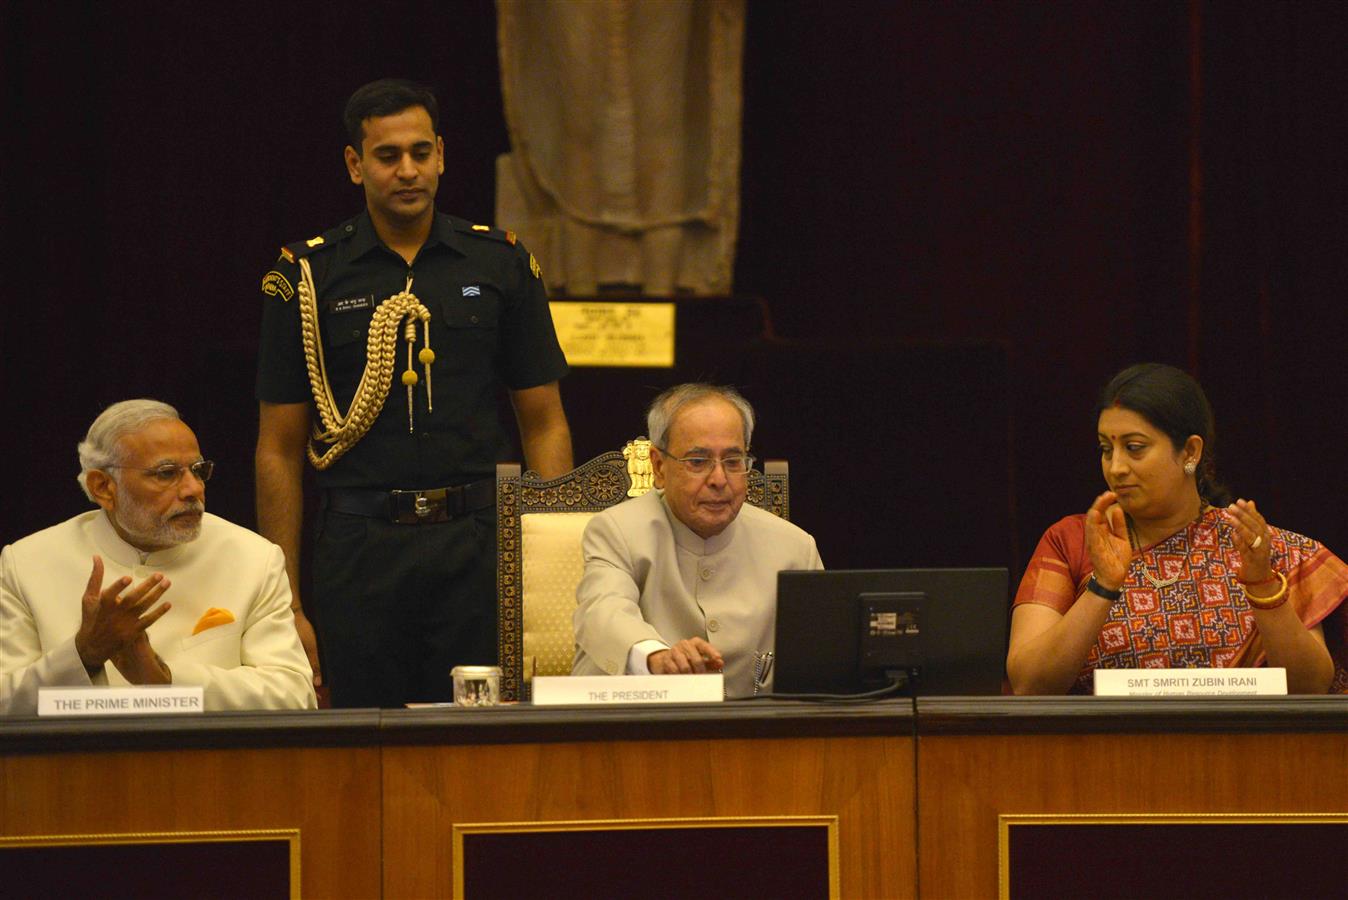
386 97
1172 401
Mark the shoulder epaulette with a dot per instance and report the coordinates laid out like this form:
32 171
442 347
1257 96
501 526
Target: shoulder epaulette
293 252
297 250
485 231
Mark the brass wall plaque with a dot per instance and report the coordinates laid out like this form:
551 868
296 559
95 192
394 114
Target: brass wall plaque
615 334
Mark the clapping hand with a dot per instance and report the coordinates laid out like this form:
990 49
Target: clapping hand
111 620
1252 538
139 664
1107 541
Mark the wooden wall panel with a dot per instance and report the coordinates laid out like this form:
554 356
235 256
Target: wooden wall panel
866 782
965 782
331 795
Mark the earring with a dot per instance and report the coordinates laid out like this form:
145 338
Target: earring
1190 467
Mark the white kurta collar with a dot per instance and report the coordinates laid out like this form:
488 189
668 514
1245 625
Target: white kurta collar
111 545
688 540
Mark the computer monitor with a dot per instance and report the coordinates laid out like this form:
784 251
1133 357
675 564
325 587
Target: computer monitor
847 631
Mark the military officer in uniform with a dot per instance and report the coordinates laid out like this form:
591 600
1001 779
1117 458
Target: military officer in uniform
384 345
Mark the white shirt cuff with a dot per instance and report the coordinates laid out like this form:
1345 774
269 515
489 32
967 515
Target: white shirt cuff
636 657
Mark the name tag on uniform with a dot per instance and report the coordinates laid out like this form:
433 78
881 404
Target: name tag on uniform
349 304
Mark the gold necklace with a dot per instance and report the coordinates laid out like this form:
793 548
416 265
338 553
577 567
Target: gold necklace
1158 583
1136 544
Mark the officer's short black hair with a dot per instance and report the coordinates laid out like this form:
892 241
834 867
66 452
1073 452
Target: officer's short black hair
386 97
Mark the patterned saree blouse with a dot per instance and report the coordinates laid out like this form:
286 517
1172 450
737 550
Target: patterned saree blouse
1182 605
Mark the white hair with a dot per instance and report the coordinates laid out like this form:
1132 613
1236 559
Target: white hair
665 408
99 448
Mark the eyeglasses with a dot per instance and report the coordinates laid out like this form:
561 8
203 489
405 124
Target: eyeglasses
170 474
703 465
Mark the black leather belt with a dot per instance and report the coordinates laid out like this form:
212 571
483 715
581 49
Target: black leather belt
413 507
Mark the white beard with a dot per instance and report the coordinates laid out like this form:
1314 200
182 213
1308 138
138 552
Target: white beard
147 529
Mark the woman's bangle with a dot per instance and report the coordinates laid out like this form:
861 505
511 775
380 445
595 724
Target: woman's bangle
1273 602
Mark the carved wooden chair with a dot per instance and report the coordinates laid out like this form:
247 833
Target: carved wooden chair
538 557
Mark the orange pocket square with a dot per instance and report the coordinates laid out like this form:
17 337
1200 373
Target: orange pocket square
213 617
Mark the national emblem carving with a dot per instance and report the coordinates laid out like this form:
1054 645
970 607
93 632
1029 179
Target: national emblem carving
639 470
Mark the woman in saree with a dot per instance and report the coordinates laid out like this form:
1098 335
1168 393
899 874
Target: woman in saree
1166 571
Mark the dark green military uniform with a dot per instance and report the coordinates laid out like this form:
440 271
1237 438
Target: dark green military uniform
398 605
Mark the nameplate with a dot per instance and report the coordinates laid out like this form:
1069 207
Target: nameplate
147 700
601 690
1189 682
615 334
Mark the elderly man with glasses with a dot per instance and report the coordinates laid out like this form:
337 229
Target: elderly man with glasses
149 588
684 578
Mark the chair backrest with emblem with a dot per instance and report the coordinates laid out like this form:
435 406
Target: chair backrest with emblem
538 551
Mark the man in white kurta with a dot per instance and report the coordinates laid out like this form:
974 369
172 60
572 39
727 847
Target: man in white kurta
684 578
148 589
251 660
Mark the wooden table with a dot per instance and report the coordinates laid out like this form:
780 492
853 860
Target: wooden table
911 790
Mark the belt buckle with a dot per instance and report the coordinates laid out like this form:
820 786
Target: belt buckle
426 507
